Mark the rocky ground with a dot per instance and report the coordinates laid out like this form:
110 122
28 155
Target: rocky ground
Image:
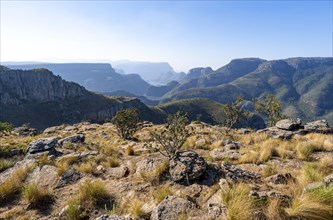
86 171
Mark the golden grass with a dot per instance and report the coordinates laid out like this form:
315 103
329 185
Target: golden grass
92 193
74 210
13 184
136 211
87 167
240 205
154 177
274 211
307 208
130 151
310 173
161 193
250 157
5 164
305 149
37 196
269 170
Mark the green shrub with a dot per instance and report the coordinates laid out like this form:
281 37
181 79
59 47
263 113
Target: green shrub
37 197
173 135
127 122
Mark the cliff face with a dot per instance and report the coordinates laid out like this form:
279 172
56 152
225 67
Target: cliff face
41 99
39 85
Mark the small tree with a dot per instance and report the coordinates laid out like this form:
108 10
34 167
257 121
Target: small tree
234 112
173 135
127 122
271 107
6 127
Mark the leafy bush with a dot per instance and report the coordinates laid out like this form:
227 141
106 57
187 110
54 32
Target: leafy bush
5 127
127 122
234 112
173 135
271 107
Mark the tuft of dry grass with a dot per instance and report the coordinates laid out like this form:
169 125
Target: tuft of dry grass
305 149
161 193
136 211
240 205
269 170
5 164
310 174
250 157
130 151
307 208
74 210
92 193
87 167
13 184
155 176
36 196
274 210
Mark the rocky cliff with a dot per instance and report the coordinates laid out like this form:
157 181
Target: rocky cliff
42 99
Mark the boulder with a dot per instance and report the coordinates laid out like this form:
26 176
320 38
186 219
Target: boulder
220 154
75 139
263 195
118 172
53 129
70 176
25 131
186 165
148 165
45 176
171 208
320 126
113 217
280 178
328 180
237 174
42 144
289 124
313 186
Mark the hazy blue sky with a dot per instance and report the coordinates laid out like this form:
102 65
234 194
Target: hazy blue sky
185 34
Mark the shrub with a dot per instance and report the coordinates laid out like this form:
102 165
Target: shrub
5 127
173 135
37 197
234 112
271 107
127 122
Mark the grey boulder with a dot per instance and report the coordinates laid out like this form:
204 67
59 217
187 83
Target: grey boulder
289 124
186 165
171 208
42 144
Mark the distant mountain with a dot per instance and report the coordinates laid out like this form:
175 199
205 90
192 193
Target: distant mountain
159 91
208 111
100 77
42 99
156 73
123 93
304 85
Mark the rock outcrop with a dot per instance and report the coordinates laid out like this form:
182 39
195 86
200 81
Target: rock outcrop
186 166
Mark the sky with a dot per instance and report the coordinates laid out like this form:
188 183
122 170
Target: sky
186 34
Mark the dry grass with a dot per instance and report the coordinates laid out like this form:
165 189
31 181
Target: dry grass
274 210
87 167
5 164
155 176
136 212
37 196
250 157
13 185
161 193
130 151
308 208
74 210
269 170
310 173
240 205
305 149
92 193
